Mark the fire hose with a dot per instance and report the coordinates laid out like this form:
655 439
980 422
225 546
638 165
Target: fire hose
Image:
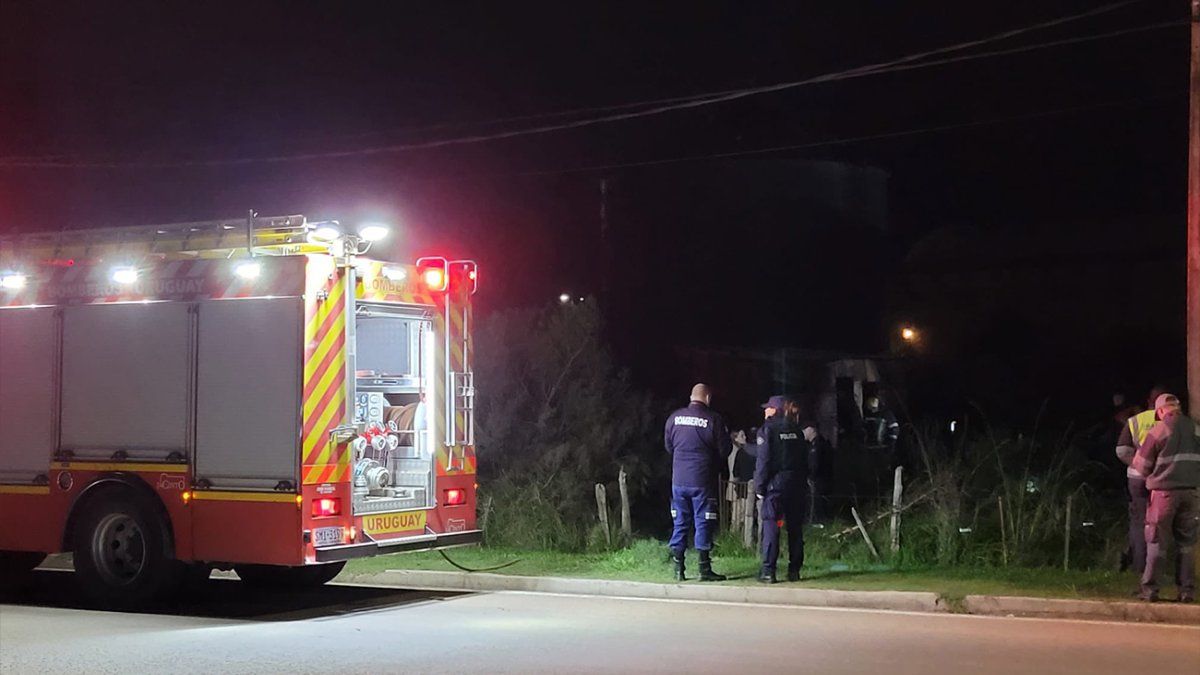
479 569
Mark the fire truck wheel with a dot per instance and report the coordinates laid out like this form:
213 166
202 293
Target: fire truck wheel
15 567
122 555
280 576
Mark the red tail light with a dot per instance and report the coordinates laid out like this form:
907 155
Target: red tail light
434 273
326 506
465 274
456 497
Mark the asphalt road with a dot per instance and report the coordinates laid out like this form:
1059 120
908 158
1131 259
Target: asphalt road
227 629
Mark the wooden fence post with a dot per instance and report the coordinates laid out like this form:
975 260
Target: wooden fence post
487 511
626 525
897 493
748 506
862 528
1003 528
1067 536
602 510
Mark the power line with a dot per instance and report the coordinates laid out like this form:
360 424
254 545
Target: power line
660 106
847 141
705 95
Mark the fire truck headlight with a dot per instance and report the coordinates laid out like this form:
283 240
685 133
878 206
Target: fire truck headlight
125 275
13 281
373 231
248 270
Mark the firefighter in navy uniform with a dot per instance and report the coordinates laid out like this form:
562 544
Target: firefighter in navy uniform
781 482
698 442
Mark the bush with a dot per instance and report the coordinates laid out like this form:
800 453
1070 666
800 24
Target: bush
555 416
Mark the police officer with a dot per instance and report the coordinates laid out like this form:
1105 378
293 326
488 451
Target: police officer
698 442
781 482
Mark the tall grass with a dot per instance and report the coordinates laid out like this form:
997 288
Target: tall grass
1000 498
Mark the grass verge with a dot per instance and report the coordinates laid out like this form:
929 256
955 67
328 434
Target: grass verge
646 560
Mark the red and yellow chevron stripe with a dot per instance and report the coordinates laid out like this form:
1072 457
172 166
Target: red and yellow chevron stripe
324 397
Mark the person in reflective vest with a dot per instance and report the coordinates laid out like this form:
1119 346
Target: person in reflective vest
781 483
1132 435
699 444
1170 460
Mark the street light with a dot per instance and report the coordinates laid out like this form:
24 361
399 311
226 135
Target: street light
564 298
908 334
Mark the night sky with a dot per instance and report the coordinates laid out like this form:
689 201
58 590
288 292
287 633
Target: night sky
797 247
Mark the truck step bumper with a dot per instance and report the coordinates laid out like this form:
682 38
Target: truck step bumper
422 542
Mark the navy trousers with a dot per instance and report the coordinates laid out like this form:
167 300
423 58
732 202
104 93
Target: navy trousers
787 506
693 508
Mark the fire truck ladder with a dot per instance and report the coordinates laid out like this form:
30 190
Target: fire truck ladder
282 235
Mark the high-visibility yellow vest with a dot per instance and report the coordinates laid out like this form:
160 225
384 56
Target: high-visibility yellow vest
1140 425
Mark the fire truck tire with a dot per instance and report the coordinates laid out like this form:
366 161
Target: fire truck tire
281 576
15 567
122 551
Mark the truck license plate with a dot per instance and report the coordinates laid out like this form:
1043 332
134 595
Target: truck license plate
327 536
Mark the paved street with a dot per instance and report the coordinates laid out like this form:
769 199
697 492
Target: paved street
367 630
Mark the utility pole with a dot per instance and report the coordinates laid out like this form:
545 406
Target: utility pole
1193 216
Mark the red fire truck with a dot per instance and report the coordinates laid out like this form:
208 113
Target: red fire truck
253 394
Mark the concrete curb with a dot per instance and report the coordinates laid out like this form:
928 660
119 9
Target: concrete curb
905 601
775 595
1145 612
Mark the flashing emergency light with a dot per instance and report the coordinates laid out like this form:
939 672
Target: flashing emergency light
373 231
434 273
394 273
326 506
435 279
125 275
455 497
467 272
13 281
248 270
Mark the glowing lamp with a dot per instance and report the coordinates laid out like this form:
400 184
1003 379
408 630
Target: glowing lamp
248 270
465 275
326 506
435 279
13 281
908 334
125 275
456 497
373 231
434 272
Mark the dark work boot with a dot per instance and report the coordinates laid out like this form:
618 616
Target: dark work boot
793 575
767 576
706 571
677 559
